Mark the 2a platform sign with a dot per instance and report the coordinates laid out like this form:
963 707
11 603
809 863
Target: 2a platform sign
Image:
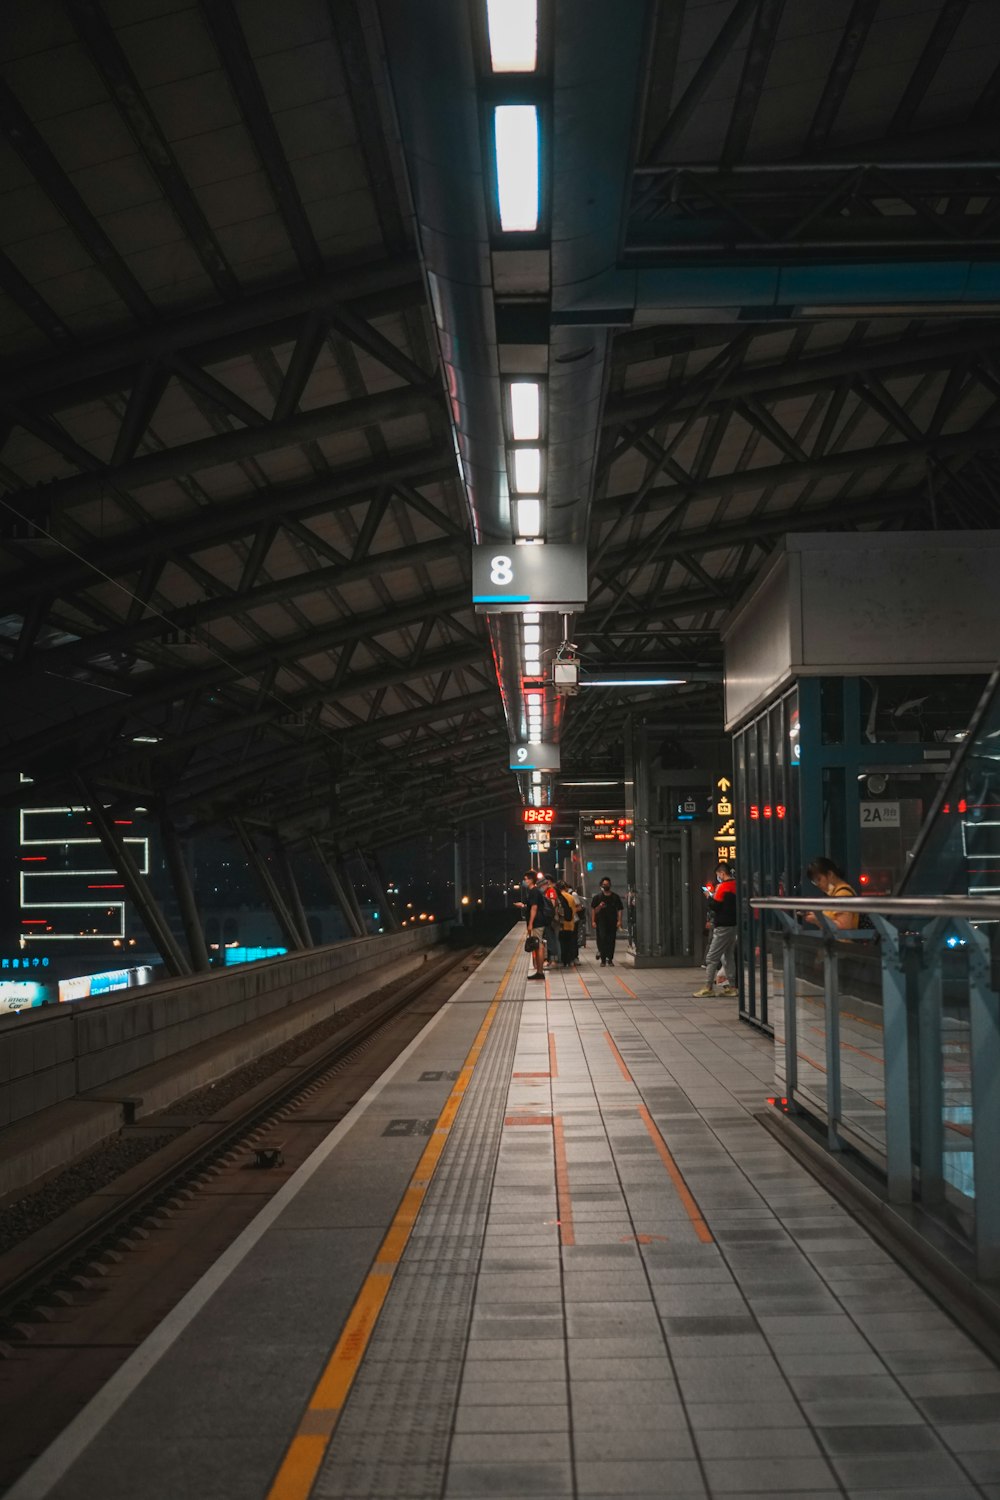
724 816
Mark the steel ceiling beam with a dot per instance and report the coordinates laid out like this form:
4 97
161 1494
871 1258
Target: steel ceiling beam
389 726
725 39
231 605
232 669
231 447
227 522
105 52
758 57
78 374
842 71
886 456
812 373
24 138
938 41
230 41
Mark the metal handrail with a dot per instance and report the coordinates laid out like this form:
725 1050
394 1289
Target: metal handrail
976 910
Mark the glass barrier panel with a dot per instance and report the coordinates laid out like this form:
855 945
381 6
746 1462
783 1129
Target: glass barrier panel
862 1050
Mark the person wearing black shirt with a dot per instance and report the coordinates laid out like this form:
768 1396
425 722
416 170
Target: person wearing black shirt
535 916
606 915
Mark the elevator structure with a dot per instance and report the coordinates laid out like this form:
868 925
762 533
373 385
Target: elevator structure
852 668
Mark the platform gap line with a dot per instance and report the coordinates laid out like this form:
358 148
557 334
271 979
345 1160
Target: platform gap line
305 1454
684 1193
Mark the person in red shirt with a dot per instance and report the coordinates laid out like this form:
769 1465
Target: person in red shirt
722 948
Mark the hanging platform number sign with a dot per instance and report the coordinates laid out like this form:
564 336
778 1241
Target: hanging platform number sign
509 579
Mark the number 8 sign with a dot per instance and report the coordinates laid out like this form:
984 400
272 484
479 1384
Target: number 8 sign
510 579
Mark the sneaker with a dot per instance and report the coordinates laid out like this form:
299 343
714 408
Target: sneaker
728 989
536 976
703 993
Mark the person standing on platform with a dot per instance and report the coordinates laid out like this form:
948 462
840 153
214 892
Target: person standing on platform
722 947
606 915
535 915
566 919
551 933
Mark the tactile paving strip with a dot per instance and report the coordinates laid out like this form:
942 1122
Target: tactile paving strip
393 1436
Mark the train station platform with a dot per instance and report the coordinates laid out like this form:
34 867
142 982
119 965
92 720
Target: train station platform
551 1253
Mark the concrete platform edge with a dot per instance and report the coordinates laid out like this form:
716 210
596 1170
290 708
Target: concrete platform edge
50 1467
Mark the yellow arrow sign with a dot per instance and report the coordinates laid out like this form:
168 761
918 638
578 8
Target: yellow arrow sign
723 784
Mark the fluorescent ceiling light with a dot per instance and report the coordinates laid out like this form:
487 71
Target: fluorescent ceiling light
525 419
533 618
532 665
536 778
529 523
631 681
532 633
515 129
533 698
513 29
527 470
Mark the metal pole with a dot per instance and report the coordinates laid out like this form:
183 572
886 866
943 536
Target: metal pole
377 884
831 998
136 887
458 879
296 907
929 1063
895 1065
352 896
339 894
259 864
984 1048
181 877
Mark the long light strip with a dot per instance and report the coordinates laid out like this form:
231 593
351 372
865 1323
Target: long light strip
515 128
529 517
525 411
631 681
527 470
513 31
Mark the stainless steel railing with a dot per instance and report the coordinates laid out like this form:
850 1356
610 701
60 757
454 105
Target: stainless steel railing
891 1038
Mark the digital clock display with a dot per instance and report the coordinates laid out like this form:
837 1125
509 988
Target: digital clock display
536 816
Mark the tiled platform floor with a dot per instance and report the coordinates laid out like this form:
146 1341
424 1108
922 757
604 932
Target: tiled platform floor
621 1285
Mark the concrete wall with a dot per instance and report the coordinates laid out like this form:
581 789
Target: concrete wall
872 603
55 1053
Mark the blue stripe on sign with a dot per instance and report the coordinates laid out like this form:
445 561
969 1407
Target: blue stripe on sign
501 598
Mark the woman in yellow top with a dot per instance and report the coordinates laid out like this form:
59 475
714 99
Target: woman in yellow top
824 873
566 923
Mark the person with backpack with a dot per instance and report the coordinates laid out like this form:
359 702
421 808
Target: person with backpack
722 947
551 894
566 921
536 916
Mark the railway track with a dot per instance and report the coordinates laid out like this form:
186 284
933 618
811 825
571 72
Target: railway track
55 1267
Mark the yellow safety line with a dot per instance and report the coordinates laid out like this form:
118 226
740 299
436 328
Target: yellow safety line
305 1453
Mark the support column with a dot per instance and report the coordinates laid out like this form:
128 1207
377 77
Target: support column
296 908
459 909
181 878
339 893
352 895
136 887
259 864
377 887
